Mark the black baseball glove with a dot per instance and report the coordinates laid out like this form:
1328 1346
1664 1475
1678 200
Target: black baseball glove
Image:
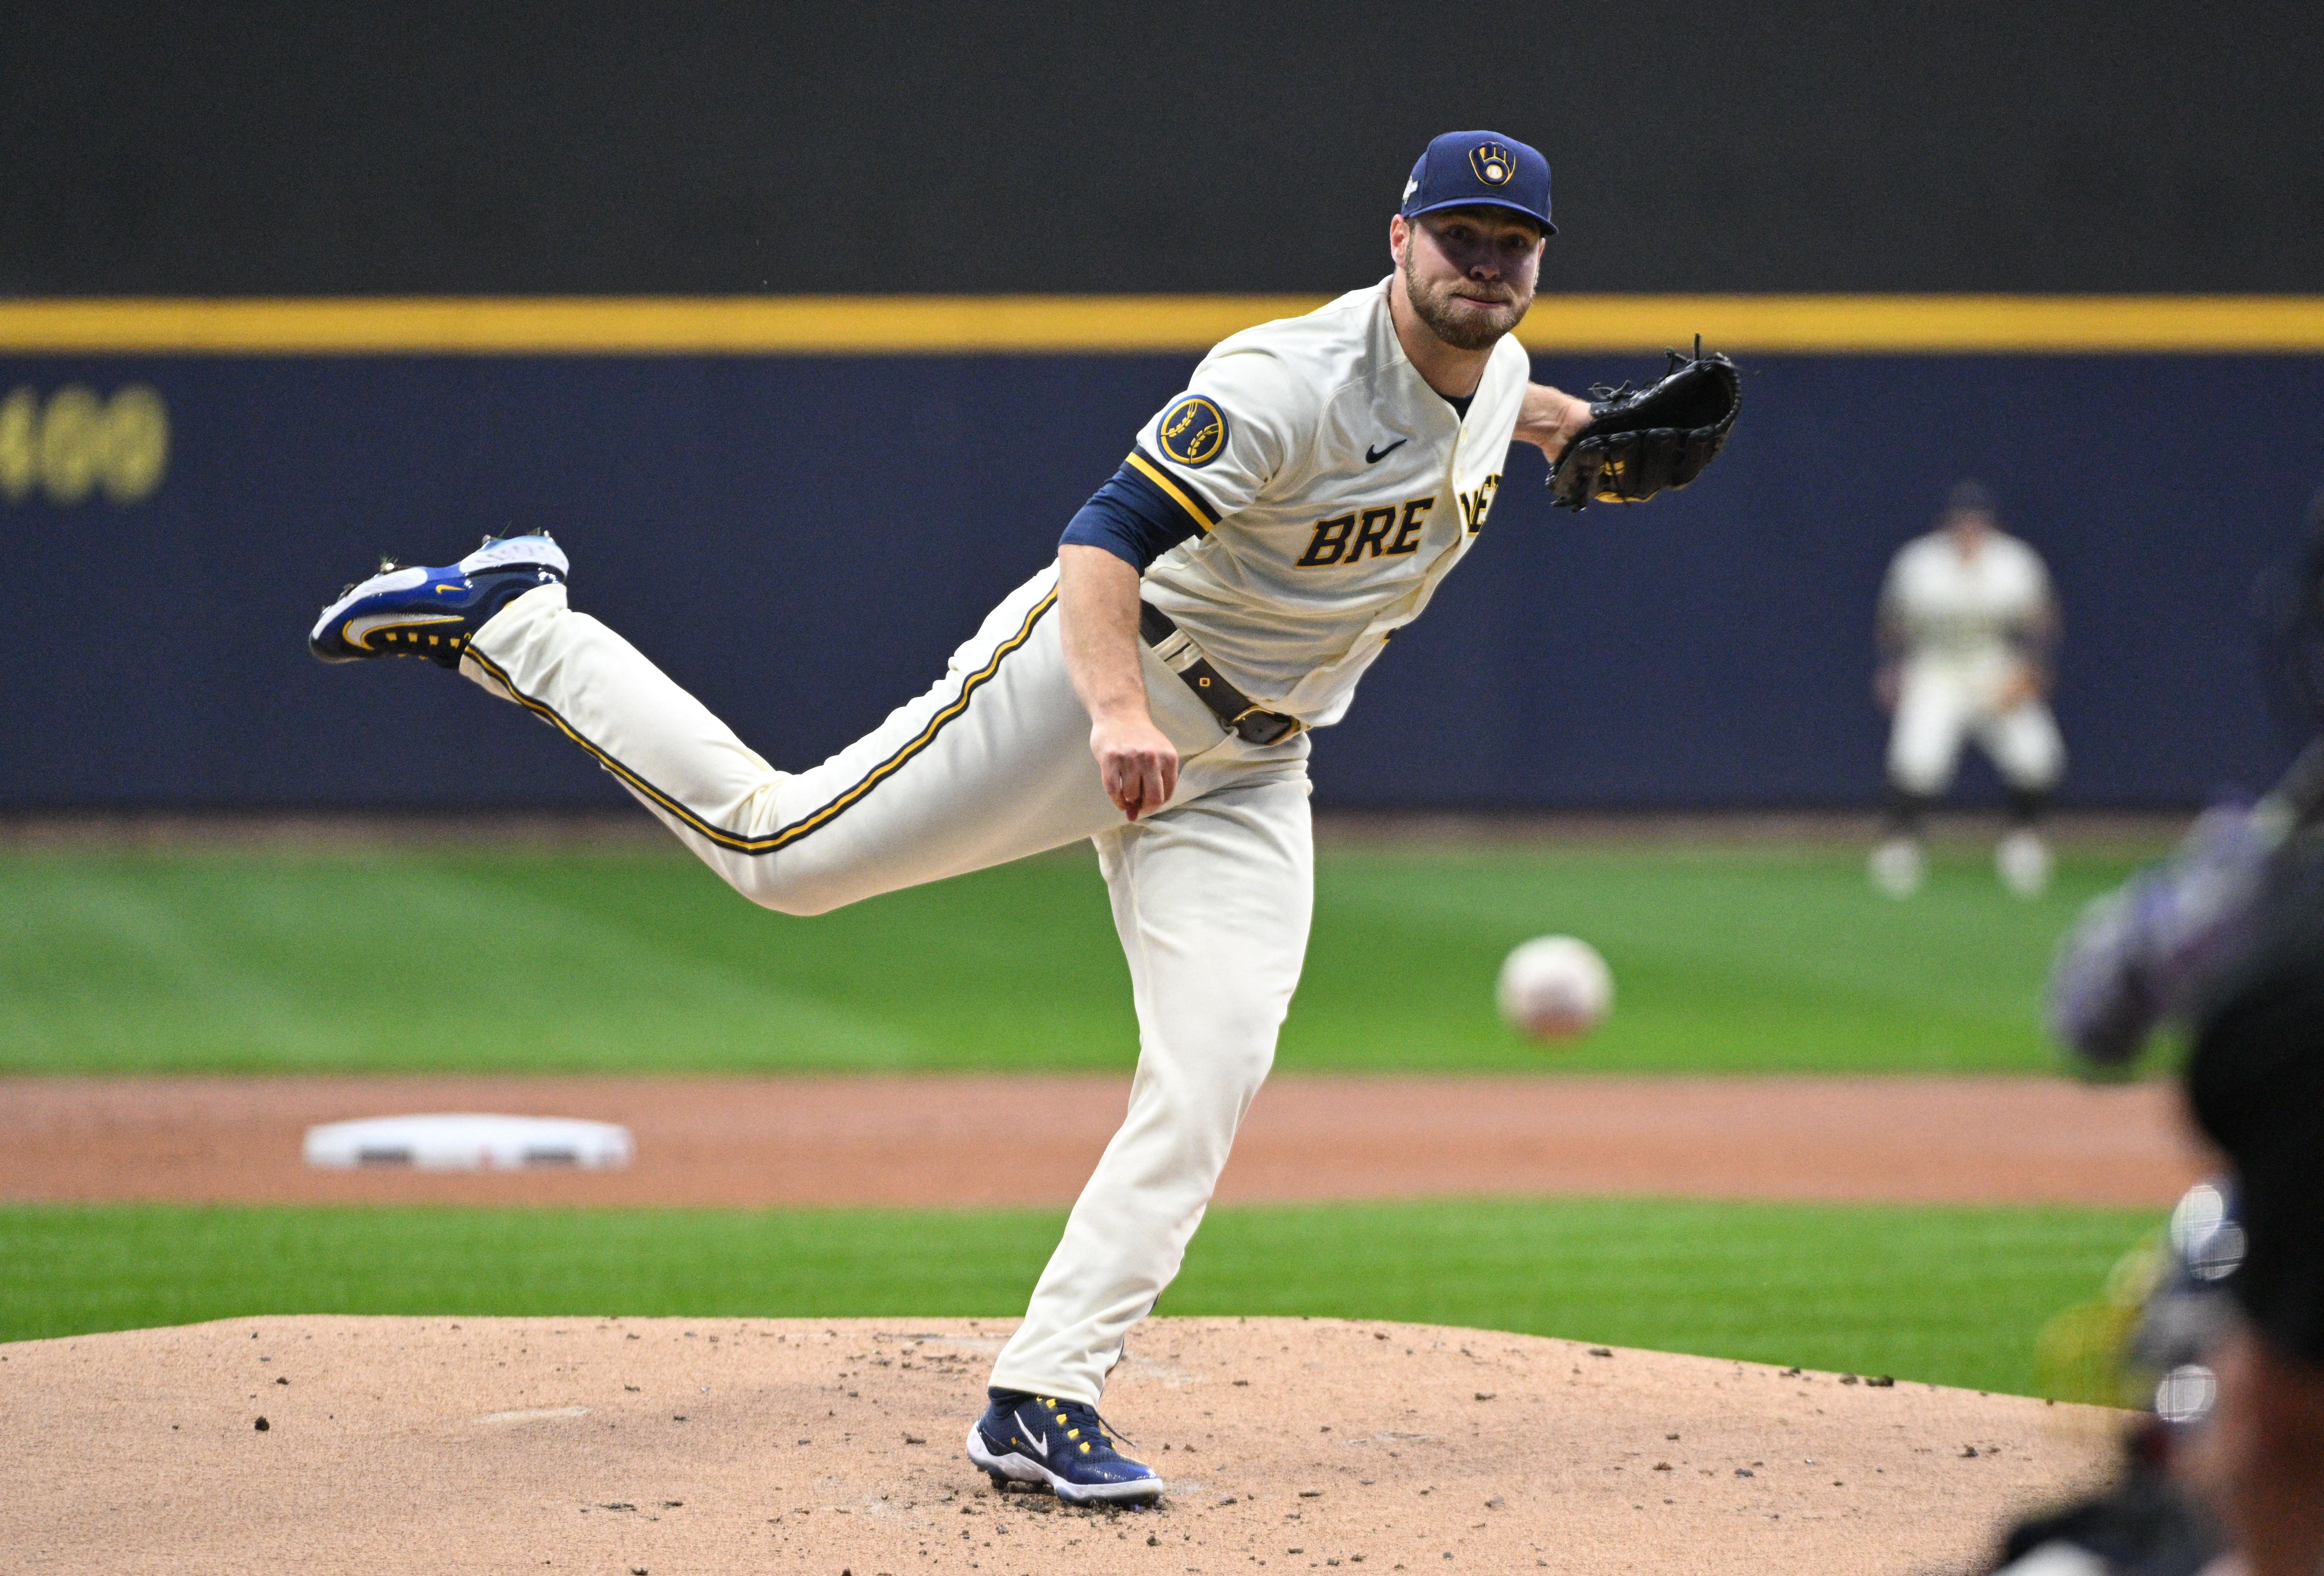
1640 441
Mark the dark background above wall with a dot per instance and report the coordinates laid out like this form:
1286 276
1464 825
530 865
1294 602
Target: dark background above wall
595 147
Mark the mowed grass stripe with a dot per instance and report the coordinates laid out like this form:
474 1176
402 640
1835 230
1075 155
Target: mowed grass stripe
1725 960
387 965
1948 1295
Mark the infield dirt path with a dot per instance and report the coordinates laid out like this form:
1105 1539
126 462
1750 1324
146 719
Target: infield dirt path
663 1446
931 1140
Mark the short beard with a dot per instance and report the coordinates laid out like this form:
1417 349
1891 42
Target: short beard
1460 333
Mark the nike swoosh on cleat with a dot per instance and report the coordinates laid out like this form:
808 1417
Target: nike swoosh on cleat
355 629
1040 1441
451 586
1372 458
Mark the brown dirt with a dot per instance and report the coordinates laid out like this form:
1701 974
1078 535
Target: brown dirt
929 1140
654 1447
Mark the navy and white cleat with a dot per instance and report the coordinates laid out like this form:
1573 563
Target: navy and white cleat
1041 1440
434 613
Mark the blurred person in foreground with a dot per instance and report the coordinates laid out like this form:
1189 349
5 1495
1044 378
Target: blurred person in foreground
1966 626
2225 1477
2256 1084
2227 940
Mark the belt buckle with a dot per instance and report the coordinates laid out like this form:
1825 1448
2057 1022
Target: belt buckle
1235 724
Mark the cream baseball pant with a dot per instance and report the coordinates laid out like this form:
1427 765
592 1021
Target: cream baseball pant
1943 700
1212 894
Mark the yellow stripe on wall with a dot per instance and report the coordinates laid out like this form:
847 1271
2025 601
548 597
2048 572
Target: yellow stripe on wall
1959 325
639 325
1099 325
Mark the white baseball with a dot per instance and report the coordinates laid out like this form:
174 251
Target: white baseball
1555 987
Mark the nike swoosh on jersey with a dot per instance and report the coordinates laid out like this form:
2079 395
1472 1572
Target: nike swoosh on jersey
1373 458
357 628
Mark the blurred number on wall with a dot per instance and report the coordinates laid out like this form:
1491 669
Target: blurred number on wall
73 445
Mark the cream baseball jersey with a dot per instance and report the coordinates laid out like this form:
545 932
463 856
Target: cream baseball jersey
1960 606
1331 489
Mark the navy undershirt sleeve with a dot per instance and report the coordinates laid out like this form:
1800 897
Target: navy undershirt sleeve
1131 518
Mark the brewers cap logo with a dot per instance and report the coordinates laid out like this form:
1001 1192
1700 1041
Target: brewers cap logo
1493 164
1194 431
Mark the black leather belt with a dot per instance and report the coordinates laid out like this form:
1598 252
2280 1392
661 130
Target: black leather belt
1236 711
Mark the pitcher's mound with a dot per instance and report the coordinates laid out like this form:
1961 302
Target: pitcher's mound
662 1446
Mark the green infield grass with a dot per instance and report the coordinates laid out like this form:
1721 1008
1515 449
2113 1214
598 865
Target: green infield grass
1948 1295
1726 959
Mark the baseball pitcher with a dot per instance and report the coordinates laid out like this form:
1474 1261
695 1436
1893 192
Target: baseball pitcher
1151 690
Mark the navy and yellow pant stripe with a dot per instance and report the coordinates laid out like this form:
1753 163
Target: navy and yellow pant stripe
672 804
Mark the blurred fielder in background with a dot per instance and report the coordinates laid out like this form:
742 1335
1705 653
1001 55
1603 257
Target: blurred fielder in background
1967 627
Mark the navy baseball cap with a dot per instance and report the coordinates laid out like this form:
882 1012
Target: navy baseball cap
1479 169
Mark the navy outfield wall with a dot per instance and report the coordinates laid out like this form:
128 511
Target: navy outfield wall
801 540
